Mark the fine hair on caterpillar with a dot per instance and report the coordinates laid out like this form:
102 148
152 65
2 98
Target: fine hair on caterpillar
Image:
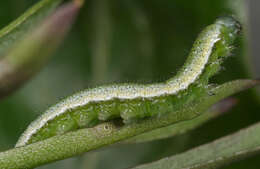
132 102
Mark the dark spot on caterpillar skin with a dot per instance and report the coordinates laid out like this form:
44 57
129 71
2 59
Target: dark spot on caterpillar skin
211 93
106 127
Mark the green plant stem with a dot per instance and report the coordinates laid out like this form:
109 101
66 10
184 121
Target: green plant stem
102 37
77 142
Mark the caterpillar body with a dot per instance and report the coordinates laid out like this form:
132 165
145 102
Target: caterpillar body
132 102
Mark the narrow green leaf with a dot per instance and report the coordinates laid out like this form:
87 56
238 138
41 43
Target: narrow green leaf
74 143
216 154
27 56
17 29
185 126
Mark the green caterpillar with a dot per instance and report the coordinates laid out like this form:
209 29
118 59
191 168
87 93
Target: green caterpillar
131 102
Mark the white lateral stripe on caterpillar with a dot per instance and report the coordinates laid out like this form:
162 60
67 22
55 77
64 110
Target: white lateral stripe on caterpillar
127 91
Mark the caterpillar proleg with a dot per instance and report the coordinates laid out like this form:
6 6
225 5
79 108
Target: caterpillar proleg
131 102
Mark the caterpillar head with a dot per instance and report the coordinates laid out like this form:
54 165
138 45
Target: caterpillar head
230 28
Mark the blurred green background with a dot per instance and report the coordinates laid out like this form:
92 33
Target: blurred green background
138 41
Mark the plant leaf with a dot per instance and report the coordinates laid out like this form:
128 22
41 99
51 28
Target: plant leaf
28 55
216 154
17 29
74 143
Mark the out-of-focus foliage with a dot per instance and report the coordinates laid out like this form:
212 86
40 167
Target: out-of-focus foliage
214 154
121 41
